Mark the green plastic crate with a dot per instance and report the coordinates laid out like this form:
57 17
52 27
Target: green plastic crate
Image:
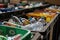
25 34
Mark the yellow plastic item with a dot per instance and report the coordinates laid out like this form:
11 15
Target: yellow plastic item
58 10
48 19
34 14
26 22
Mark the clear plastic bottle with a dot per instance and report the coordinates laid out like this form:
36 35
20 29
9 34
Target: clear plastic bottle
32 20
38 26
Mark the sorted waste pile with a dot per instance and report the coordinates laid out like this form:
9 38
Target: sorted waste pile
20 6
16 28
35 22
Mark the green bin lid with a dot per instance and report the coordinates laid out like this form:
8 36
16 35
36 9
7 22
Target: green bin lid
2 37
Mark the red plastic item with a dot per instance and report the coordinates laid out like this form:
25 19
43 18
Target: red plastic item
17 37
2 5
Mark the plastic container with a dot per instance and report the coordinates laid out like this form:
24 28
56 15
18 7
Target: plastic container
0 23
2 5
5 30
6 9
2 37
38 26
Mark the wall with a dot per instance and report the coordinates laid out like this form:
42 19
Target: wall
1 1
57 2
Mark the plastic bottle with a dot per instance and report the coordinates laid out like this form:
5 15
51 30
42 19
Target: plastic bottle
11 24
17 20
42 20
27 27
32 20
16 8
38 26
16 37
